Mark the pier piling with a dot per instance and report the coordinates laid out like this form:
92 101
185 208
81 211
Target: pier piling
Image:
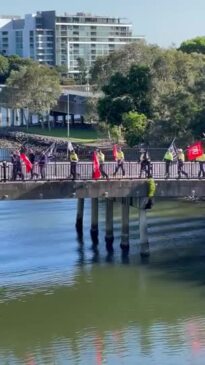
125 224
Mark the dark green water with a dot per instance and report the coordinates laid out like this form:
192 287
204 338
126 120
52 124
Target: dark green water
63 302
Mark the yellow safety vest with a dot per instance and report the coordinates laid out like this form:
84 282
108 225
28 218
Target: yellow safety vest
101 157
120 155
181 156
168 156
74 157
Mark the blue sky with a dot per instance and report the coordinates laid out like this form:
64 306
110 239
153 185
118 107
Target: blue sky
162 21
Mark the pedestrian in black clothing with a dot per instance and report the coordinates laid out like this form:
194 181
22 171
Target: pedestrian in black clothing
32 158
17 167
145 164
42 165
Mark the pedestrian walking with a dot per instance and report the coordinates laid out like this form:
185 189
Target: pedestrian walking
201 161
73 164
168 158
180 162
120 161
101 158
17 167
145 164
42 165
32 158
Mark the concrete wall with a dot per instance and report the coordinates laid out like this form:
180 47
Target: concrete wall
97 189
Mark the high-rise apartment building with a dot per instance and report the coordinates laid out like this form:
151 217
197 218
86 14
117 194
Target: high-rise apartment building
64 39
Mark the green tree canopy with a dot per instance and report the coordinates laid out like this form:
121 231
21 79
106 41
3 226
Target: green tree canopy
124 94
4 68
196 45
172 91
135 126
34 87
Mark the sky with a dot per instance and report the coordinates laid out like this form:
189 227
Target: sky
162 22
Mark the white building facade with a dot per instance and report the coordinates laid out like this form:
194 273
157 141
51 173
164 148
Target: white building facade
63 40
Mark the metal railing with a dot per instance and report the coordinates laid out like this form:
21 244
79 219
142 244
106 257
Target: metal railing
62 171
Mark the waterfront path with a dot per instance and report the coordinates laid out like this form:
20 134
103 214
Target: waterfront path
61 170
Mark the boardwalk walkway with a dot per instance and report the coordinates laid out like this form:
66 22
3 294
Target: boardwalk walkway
61 171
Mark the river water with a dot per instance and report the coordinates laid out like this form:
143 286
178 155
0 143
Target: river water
64 302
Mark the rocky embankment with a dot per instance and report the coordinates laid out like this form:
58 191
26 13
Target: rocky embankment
15 139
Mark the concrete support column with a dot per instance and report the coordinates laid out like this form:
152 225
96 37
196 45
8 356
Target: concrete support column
144 242
109 238
79 217
125 224
94 219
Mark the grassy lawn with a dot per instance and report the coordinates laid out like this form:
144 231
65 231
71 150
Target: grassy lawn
76 135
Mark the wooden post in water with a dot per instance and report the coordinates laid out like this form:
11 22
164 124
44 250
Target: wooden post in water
109 237
79 217
125 224
94 220
144 242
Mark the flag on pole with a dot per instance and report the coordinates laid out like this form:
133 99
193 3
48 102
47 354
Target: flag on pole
70 146
50 150
114 152
173 149
26 161
96 167
194 151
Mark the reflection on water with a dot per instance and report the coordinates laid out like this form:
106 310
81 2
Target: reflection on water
63 301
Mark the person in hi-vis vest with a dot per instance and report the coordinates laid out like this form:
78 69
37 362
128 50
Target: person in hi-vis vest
180 161
120 162
201 161
101 158
168 159
73 164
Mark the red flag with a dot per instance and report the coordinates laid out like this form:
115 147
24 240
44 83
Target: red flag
27 162
194 151
114 152
96 167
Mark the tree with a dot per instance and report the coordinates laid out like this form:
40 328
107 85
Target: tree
139 86
91 113
111 110
167 85
33 87
82 71
4 69
117 86
193 45
126 93
135 126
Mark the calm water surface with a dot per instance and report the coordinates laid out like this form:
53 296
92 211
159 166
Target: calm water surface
65 302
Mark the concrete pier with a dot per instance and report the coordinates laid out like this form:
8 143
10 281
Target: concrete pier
125 224
143 229
79 217
109 237
94 220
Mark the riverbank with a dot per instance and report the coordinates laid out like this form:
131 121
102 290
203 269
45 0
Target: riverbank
13 139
